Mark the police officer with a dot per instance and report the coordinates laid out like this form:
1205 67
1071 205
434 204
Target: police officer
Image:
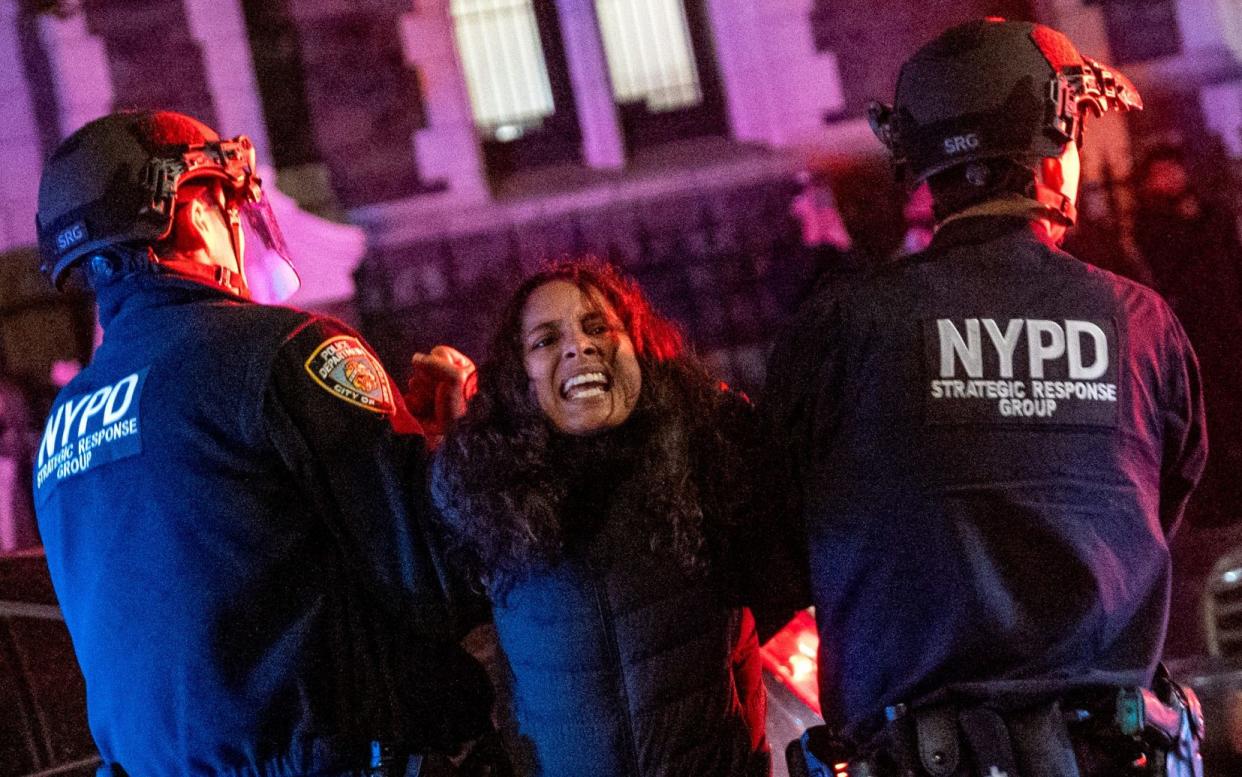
230 493
990 443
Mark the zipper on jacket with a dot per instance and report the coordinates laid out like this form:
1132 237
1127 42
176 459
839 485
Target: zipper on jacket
610 636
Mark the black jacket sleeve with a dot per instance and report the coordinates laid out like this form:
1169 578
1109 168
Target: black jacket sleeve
1185 428
342 429
762 563
799 378
797 401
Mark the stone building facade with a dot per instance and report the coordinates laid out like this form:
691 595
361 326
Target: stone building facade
412 208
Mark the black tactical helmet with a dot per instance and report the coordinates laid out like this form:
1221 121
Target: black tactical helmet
993 89
115 181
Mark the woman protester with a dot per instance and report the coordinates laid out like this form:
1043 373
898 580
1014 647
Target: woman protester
597 489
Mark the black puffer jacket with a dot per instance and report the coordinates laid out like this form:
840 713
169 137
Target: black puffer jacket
623 663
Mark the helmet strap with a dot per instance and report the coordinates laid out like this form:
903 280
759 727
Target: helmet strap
210 274
238 283
1047 203
1059 207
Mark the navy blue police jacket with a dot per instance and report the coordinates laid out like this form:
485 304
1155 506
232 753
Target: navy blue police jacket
231 503
991 443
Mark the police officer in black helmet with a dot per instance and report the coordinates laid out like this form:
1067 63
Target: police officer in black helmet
231 493
990 443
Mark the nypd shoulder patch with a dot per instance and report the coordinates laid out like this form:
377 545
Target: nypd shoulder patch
346 369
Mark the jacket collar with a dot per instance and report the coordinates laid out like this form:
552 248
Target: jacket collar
974 230
144 290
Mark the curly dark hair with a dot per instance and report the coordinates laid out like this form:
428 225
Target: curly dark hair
505 475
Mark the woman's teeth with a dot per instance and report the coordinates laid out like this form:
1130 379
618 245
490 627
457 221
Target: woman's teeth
585 386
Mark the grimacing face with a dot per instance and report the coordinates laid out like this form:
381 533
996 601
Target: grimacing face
579 360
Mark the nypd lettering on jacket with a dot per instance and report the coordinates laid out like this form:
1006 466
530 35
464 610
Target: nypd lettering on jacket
1021 370
89 430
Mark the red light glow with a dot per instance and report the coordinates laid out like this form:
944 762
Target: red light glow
791 655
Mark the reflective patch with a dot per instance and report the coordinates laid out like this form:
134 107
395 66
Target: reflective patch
344 367
1021 371
89 430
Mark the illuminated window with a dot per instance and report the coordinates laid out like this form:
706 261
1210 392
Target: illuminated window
650 54
506 73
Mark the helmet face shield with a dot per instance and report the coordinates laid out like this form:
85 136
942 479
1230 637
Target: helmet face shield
266 263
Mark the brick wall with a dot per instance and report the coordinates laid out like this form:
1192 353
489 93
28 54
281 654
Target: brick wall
723 264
